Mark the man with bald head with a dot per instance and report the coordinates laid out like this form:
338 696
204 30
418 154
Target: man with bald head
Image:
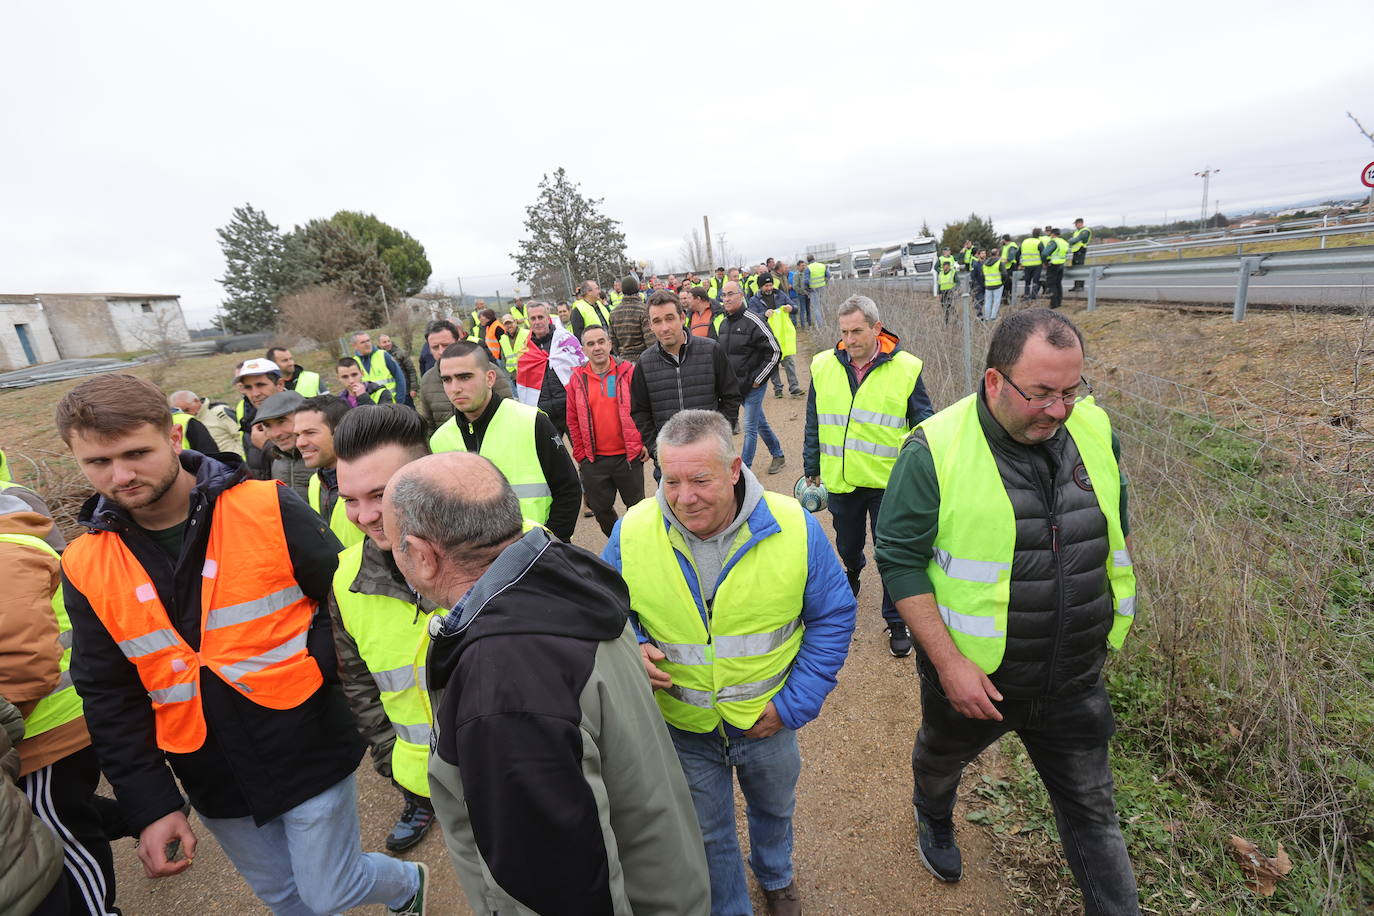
566 761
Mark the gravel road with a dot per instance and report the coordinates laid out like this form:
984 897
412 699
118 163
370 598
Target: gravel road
855 847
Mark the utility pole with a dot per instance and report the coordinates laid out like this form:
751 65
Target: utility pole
1206 176
720 240
710 259
462 300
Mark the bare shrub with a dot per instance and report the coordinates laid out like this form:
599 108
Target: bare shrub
320 313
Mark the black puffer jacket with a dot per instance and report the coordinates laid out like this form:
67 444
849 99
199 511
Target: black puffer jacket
698 378
750 347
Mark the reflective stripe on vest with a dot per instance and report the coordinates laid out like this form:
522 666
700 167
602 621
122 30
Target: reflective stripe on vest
347 532
731 670
254 618
307 384
509 444
947 278
616 299
861 433
1030 251
375 370
1061 251
388 632
61 705
522 342
992 276
816 271
976 533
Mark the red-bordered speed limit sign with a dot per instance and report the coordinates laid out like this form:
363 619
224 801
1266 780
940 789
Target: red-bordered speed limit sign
1367 176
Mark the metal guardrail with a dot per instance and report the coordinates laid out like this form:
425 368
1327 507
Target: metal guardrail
1150 246
1242 267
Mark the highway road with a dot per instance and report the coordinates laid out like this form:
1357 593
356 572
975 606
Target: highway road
1312 288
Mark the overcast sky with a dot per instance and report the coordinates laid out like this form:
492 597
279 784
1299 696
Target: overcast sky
130 131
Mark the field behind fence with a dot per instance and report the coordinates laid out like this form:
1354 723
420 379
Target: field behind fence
1245 693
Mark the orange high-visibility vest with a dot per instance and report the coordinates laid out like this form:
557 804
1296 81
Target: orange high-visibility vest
254 616
494 344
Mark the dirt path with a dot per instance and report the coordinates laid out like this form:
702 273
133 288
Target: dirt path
855 846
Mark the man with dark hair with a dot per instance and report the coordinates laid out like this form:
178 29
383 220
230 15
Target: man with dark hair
519 439
314 423
357 389
1003 541
679 372
379 367
378 620
566 763
630 331
389 347
605 441
298 379
1078 246
431 403
1057 253
703 315
185 552
753 353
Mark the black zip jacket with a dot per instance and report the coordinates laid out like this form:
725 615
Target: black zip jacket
698 378
750 347
560 472
256 761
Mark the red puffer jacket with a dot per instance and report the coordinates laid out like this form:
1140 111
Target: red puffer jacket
582 428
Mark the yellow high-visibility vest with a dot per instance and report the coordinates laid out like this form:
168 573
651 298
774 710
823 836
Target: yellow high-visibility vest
976 534
861 433
508 444
62 704
347 532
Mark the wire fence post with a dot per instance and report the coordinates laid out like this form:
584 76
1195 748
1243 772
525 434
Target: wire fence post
1248 266
968 334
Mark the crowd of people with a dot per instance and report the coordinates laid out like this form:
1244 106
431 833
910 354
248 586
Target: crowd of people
990 270
267 591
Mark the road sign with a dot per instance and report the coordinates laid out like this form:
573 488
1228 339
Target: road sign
1368 176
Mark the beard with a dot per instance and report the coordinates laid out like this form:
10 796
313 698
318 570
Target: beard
155 490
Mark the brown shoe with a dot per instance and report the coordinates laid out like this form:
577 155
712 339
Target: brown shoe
785 901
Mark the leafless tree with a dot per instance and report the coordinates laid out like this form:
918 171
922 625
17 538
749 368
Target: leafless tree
320 313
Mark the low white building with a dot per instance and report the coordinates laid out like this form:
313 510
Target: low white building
25 338
42 327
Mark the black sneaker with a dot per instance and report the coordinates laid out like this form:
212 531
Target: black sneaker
417 906
853 576
777 392
411 828
898 640
939 852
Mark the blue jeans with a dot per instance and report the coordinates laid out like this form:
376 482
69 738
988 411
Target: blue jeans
1032 278
768 769
755 425
848 514
309 861
992 302
817 313
803 309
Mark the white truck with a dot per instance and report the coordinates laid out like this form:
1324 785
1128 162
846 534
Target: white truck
862 265
913 258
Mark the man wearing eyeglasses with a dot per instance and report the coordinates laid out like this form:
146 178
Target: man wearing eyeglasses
1002 541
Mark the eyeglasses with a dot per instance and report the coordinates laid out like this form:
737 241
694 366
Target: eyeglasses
1046 401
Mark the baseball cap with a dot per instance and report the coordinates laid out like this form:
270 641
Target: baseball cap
281 404
765 279
257 366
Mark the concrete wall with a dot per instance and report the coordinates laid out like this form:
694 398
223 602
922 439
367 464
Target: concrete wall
12 354
81 326
91 325
144 324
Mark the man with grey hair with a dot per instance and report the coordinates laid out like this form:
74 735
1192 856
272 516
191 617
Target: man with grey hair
547 747
734 682
194 434
866 396
218 420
